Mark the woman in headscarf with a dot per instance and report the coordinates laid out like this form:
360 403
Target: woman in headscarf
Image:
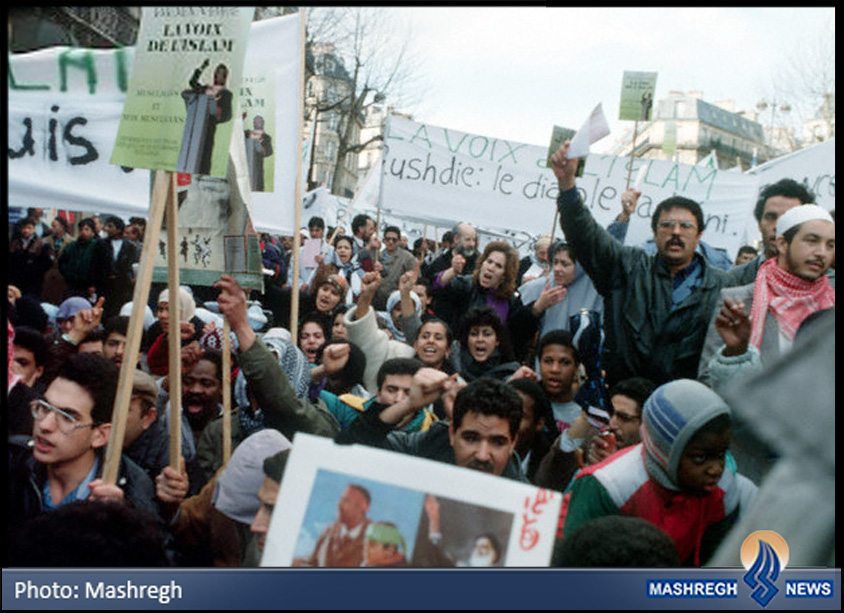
340 262
578 292
393 314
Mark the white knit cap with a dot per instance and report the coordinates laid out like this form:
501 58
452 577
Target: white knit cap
800 214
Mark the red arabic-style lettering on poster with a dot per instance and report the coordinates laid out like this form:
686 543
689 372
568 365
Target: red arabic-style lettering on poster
529 536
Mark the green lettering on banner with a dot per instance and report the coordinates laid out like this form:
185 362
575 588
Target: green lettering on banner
511 153
78 58
24 86
448 141
121 69
422 128
472 142
675 173
710 177
647 174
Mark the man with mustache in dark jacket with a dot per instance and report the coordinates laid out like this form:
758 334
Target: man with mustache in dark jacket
656 307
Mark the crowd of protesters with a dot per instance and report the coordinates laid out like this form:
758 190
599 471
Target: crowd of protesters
604 371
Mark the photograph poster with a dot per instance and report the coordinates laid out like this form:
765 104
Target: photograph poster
637 96
409 512
215 232
183 91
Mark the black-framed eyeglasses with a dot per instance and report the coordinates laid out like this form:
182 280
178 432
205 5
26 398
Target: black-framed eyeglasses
67 423
668 225
391 239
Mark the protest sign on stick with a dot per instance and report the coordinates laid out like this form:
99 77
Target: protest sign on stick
637 97
184 89
160 195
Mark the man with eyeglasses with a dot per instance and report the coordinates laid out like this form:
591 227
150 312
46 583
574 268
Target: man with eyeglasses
627 398
72 425
656 307
396 261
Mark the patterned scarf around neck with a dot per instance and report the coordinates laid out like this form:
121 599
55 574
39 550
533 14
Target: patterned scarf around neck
789 298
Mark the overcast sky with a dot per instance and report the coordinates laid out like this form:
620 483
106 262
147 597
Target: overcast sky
515 72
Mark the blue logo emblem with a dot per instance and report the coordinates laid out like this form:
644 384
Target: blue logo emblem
763 573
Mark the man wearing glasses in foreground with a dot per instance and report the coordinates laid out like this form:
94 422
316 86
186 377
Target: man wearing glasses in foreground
70 430
656 307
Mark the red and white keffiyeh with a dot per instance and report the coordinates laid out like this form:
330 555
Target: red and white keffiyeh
789 298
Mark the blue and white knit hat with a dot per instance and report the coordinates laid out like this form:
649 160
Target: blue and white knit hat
670 417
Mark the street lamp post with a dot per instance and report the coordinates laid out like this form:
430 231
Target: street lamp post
764 104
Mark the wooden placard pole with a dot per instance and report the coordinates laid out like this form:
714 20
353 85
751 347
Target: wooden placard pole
174 336
377 231
227 391
632 153
140 295
297 199
554 225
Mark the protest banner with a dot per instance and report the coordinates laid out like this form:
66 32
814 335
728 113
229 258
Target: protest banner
522 518
184 89
441 176
64 108
813 166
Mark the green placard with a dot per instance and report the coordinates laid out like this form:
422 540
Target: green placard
637 96
184 88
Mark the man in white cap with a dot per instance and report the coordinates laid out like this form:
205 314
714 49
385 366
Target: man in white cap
758 321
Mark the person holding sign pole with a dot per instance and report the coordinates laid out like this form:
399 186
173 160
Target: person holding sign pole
284 409
72 425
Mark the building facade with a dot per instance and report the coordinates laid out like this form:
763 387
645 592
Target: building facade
328 92
685 128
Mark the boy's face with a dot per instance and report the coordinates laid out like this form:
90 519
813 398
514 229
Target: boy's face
557 370
394 389
114 347
27 230
422 292
702 462
57 442
381 554
24 364
267 495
